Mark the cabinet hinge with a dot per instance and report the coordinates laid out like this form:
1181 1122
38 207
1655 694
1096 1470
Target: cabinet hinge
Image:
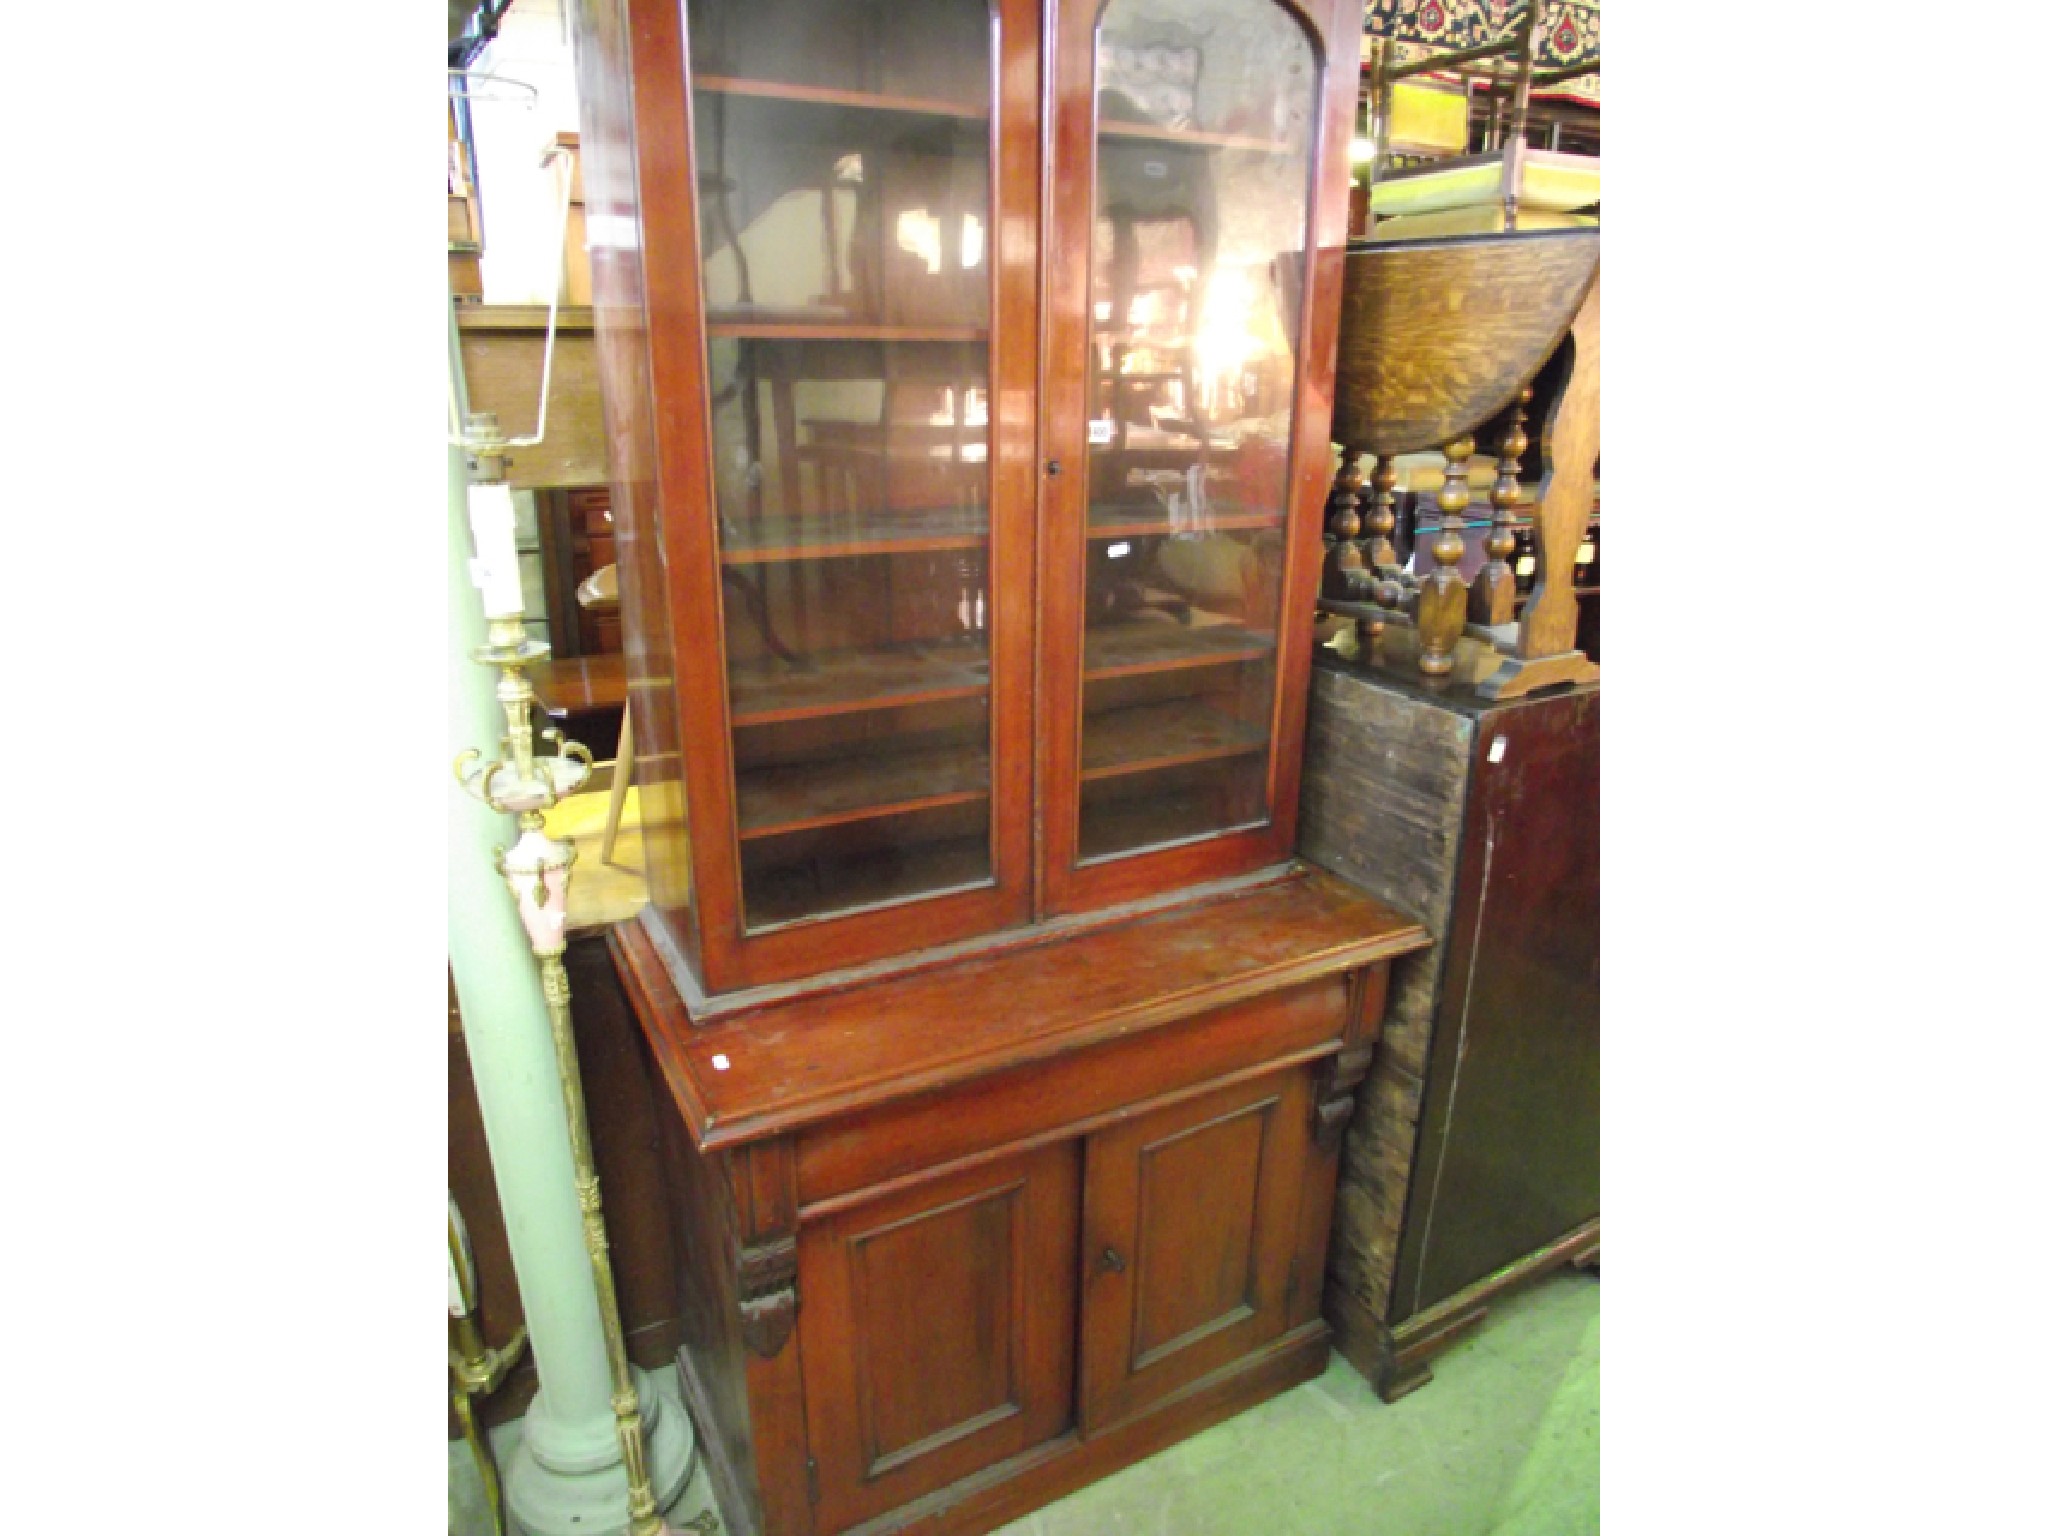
811 1476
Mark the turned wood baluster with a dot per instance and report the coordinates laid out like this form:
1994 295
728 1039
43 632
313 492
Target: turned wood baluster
1379 549
1493 590
1341 557
1440 605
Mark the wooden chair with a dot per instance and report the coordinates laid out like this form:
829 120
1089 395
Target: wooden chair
1504 188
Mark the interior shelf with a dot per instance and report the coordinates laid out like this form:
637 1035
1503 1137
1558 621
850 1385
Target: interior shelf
1124 650
1110 128
816 95
842 682
1126 522
794 892
1110 831
761 323
795 797
760 541
1147 737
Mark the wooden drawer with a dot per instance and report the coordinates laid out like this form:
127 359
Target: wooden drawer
1036 1102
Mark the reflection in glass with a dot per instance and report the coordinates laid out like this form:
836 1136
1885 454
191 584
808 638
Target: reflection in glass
1204 119
842 170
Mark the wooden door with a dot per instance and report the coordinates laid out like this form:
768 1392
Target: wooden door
1190 1234
938 1330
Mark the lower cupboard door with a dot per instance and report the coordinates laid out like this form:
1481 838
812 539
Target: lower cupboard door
937 1328
1192 1229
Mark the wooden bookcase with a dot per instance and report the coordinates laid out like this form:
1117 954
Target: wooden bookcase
967 370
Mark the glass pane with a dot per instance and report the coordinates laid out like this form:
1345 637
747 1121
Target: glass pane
843 197
1205 118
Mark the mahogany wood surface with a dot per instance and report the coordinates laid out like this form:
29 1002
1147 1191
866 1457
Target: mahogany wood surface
1005 1492
1081 1090
1190 1233
1067 883
630 302
938 1330
793 1063
899 1142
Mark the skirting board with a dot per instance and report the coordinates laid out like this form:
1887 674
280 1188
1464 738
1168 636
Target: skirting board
1396 1360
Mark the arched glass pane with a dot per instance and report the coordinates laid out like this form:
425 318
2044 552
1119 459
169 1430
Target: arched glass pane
1205 129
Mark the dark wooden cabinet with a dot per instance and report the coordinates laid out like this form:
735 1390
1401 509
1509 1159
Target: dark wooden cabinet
968 372
1475 1163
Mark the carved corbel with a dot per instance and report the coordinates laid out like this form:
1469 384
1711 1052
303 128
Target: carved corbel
1337 1094
768 1295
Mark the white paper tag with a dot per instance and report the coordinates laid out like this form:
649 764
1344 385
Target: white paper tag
1101 432
1498 750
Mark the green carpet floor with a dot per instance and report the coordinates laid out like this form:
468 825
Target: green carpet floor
1505 1442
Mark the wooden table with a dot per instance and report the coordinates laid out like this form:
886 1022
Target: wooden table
584 697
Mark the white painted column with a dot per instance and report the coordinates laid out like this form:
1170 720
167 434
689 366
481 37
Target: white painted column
566 1477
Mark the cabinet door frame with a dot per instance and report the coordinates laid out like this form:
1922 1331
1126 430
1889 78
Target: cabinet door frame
1118 1379
855 1481
693 592
1064 883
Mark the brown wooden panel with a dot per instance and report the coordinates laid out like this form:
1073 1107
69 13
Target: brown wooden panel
1205 1181
937 1329
847 1155
1190 1235
794 1063
501 367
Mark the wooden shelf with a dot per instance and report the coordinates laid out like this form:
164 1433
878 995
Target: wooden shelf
773 325
1148 737
793 893
1141 521
1127 649
768 539
1128 826
795 797
845 682
1196 138
823 96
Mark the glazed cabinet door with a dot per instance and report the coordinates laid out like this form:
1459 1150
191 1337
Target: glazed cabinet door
1192 283
938 1331
852 513
1190 1239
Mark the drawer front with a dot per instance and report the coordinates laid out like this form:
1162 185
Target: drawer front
938 1330
849 1155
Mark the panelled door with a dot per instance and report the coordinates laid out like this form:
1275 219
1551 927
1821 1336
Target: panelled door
938 1330
1190 1230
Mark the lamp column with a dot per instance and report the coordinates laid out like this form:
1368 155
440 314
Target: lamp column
567 1476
